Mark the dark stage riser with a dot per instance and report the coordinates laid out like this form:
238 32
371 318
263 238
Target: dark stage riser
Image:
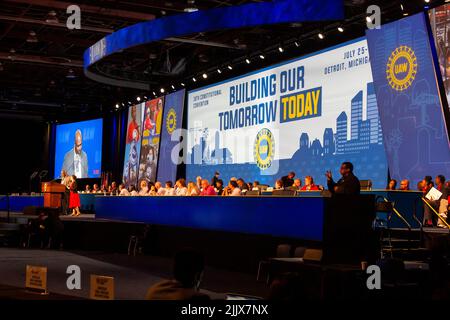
341 225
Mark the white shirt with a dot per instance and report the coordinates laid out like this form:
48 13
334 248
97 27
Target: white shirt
134 193
170 192
77 164
124 192
181 191
235 192
143 191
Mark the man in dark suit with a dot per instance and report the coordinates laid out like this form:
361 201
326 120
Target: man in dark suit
288 181
75 160
348 184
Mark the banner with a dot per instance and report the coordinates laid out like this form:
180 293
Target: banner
172 120
306 115
151 131
408 97
133 144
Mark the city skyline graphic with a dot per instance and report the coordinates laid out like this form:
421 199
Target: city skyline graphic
356 140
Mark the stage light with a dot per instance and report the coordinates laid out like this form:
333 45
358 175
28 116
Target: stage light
193 79
138 99
123 104
247 61
340 29
297 44
154 93
145 97
162 90
280 49
401 6
52 17
427 1
205 76
321 35
173 87
262 57
368 19
32 38
117 106
230 67
219 71
182 84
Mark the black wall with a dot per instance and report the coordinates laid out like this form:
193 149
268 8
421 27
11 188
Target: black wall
24 149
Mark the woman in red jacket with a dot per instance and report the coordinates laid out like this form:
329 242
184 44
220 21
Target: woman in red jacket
309 184
74 200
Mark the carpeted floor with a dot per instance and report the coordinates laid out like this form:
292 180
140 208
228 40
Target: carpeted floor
133 275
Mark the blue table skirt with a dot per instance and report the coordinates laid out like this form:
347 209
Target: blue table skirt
292 217
18 203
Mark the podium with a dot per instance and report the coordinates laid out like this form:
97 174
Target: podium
53 192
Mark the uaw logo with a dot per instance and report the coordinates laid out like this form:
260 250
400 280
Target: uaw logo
171 121
264 149
401 68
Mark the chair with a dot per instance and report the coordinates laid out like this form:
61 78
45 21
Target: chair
253 193
136 242
299 252
284 193
283 251
366 184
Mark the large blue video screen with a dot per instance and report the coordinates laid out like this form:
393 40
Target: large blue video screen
78 149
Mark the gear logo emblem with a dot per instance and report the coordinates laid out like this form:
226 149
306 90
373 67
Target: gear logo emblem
264 149
171 121
401 68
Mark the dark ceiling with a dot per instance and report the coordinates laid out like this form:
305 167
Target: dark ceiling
41 75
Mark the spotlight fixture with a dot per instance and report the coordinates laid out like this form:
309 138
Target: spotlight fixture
123 104
219 71
145 98
193 79
32 38
205 76
70 74
427 1
297 44
280 49
182 84
154 93
230 67
401 6
162 90
51 17
138 99
247 61
173 87
117 106
262 57
368 19
321 36
340 29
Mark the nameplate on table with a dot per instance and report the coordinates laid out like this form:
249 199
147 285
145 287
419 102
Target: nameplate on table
102 287
36 279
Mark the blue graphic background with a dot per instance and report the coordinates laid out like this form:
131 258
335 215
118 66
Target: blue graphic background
414 129
92 144
364 149
167 170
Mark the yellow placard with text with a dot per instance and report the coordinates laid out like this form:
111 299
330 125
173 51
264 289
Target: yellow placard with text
36 278
102 287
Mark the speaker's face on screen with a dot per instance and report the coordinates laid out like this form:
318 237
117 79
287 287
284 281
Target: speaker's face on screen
78 143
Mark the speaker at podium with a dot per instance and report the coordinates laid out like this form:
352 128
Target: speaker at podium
53 193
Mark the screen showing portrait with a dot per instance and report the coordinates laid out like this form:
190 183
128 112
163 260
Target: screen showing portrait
78 149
